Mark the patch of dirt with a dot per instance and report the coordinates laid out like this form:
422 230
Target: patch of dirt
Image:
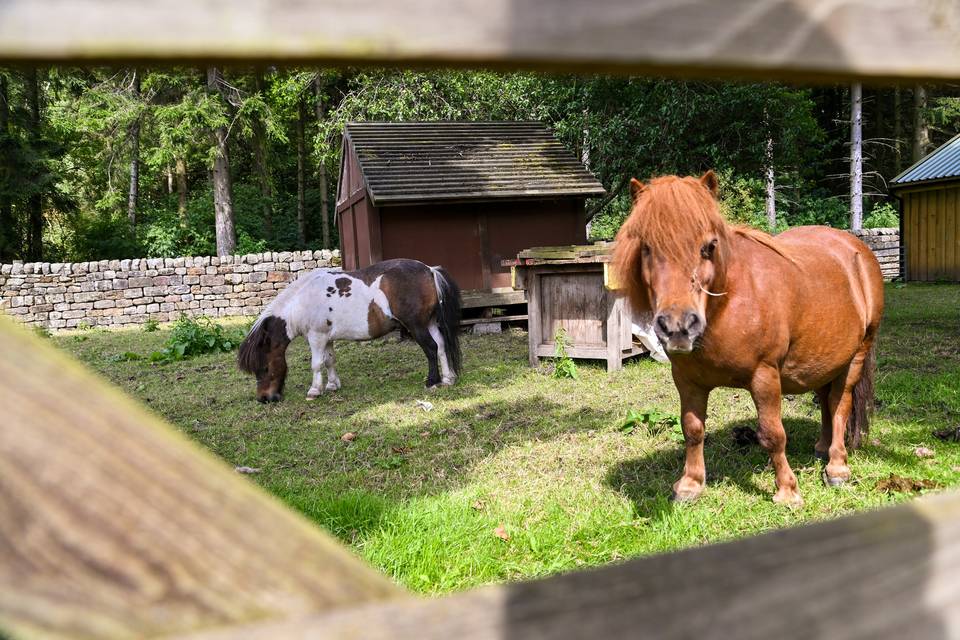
745 436
950 434
900 484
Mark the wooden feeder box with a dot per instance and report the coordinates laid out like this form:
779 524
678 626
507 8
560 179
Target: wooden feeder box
571 287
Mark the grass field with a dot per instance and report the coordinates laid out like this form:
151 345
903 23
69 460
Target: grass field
514 474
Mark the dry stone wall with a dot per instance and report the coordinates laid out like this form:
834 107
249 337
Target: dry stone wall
125 292
885 244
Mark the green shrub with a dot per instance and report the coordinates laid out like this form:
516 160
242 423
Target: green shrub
196 336
882 215
564 367
151 325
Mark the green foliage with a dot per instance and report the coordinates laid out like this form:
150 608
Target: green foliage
41 331
655 421
126 356
191 337
882 215
564 366
151 325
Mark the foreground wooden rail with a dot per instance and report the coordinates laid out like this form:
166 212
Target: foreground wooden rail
790 39
112 525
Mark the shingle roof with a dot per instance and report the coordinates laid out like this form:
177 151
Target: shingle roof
407 162
943 163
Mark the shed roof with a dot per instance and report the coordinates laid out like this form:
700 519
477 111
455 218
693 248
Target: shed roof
942 164
410 162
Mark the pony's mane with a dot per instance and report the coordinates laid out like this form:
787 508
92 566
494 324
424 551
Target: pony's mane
671 214
766 240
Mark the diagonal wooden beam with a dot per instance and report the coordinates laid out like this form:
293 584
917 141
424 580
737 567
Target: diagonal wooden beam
886 575
113 525
787 39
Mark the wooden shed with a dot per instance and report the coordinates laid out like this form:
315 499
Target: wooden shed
929 194
465 195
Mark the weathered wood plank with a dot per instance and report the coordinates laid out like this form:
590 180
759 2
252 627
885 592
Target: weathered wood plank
789 39
885 575
475 299
113 525
472 321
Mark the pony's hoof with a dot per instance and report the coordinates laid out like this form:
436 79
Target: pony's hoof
834 481
333 386
686 490
836 476
313 394
789 498
448 382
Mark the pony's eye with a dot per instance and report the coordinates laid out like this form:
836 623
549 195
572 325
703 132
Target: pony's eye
706 252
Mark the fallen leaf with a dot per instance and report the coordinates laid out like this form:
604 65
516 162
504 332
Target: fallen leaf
904 485
246 470
479 505
426 406
501 532
400 450
875 442
424 434
348 436
923 452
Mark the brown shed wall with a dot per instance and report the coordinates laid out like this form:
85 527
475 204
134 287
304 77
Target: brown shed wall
470 239
931 232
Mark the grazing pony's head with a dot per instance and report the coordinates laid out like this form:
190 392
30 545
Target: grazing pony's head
263 353
670 255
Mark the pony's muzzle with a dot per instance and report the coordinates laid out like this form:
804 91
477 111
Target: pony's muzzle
269 397
678 332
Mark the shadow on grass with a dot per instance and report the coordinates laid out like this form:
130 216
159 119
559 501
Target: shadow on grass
648 481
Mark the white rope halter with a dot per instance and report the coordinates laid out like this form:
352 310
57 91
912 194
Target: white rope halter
695 279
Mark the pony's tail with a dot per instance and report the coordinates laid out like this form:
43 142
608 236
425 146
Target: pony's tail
858 425
448 315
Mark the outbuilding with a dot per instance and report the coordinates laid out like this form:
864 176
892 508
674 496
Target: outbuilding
929 195
465 195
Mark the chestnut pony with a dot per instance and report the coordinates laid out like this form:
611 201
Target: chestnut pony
735 307
326 305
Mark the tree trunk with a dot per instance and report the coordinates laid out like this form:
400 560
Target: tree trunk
921 134
261 160
181 171
771 192
301 175
322 171
7 240
222 188
856 156
134 160
169 179
897 132
35 201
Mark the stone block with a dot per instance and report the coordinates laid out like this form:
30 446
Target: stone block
279 276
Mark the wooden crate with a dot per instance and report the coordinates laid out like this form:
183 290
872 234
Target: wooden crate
570 288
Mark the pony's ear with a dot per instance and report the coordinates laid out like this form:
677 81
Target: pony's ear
710 181
636 188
